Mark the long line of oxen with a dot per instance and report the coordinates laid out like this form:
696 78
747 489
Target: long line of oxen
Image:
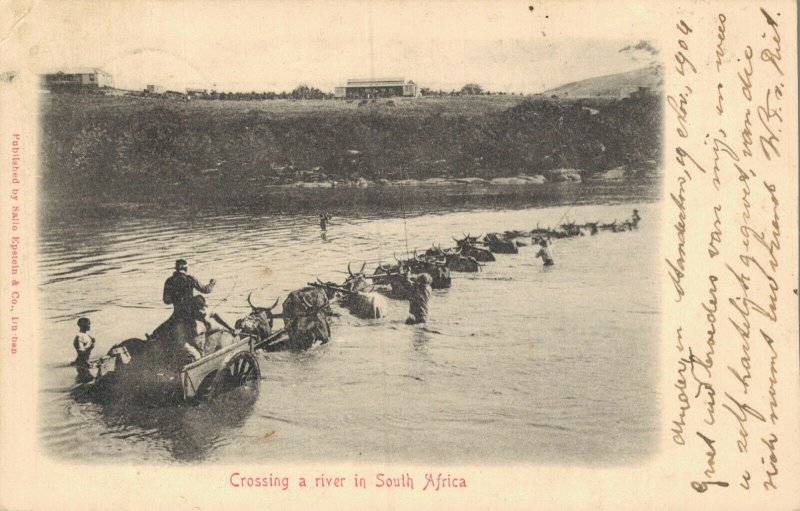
306 311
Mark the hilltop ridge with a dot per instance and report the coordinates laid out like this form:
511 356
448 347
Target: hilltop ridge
617 85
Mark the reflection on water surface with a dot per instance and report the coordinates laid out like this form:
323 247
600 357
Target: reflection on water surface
518 363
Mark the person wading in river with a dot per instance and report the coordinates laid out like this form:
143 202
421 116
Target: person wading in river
83 344
544 253
324 218
635 218
181 329
419 293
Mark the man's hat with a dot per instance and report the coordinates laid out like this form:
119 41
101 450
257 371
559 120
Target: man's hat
181 264
83 321
425 278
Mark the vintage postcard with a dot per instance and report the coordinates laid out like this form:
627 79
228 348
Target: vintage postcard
399 255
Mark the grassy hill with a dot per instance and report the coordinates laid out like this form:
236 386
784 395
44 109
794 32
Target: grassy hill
612 86
134 148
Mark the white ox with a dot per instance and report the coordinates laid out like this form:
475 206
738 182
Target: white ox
367 305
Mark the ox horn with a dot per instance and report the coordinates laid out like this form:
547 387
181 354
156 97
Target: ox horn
349 270
254 307
362 267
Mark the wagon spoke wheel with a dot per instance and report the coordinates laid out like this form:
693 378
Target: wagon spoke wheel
241 370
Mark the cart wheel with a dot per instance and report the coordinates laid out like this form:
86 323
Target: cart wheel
241 370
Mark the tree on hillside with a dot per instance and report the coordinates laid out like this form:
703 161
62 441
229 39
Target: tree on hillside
471 89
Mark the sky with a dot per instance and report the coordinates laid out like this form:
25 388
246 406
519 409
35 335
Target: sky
234 45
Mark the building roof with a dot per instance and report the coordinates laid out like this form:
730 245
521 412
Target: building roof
78 71
376 82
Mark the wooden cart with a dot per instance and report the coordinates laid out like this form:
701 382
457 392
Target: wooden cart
234 365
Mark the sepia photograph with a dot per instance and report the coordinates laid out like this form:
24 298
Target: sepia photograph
385 248
375 254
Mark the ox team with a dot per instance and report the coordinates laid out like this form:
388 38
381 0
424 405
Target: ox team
306 311
180 340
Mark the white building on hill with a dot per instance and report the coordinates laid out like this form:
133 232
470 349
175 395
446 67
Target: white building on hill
77 78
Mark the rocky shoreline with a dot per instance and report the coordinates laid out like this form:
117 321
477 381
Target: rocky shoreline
557 176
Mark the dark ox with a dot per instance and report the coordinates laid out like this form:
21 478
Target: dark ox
391 280
571 229
462 263
259 322
435 266
500 245
541 231
455 260
439 272
468 248
433 262
305 315
356 281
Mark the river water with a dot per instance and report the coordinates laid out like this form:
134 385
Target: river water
519 363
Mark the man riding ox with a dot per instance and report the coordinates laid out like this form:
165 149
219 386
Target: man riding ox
181 328
179 288
178 336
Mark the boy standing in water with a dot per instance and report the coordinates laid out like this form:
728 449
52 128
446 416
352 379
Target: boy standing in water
83 344
324 218
544 253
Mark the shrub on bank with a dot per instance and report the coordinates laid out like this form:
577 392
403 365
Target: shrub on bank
96 141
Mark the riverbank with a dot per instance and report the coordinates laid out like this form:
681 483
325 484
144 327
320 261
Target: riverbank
134 148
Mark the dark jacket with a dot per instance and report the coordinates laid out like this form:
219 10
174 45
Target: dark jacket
179 290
